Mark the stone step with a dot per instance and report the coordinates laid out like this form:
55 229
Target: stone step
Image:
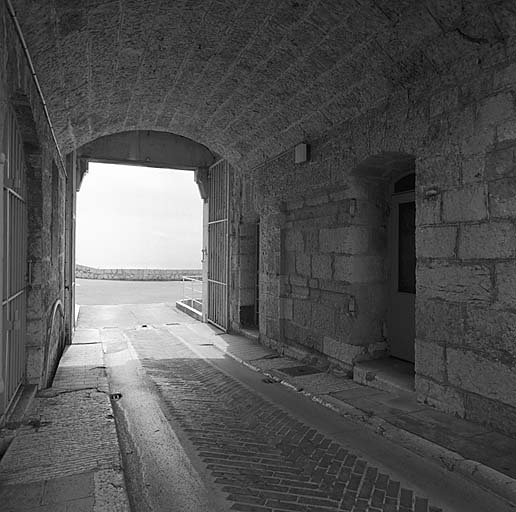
387 374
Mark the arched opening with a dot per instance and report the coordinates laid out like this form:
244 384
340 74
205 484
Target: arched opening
210 286
148 148
139 237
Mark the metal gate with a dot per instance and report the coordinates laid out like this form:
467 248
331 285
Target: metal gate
14 238
218 245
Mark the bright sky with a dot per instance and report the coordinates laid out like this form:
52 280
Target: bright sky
138 217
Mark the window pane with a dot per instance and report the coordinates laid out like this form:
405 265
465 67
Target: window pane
405 184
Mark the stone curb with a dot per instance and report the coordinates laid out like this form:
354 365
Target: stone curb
486 477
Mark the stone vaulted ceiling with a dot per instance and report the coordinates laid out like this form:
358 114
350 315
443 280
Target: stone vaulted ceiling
247 78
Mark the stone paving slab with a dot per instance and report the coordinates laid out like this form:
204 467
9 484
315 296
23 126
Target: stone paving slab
387 406
86 336
81 367
358 391
316 383
100 491
496 450
103 316
64 433
65 457
265 363
159 314
80 355
240 347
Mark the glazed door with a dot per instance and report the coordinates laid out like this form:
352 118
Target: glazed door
401 327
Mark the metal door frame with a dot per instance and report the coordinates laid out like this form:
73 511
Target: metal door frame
219 175
70 242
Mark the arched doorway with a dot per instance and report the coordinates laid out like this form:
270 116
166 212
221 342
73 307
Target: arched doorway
389 178
167 150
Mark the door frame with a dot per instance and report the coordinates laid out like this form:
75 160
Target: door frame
395 199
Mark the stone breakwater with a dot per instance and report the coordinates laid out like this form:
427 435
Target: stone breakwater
135 274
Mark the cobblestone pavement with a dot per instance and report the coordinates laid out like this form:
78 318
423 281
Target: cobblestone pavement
264 459
258 447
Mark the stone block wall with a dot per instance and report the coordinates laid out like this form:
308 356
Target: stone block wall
54 261
135 274
45 204
334 268
244 256
465 348
322 250
323 271
270 282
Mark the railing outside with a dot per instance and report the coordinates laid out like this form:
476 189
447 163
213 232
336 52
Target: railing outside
192 292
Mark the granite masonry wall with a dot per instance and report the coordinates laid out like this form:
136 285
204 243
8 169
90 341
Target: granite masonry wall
422 90
323 231
334 263
45 207
135 274
244 247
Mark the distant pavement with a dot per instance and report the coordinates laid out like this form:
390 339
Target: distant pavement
96 292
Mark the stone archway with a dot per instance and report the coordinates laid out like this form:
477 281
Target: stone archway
150 148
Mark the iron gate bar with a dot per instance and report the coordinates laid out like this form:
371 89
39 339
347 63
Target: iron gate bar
13 192
218 245
14 227
217 282
16 295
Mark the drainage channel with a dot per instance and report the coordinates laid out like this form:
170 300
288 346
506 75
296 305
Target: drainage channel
159 474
